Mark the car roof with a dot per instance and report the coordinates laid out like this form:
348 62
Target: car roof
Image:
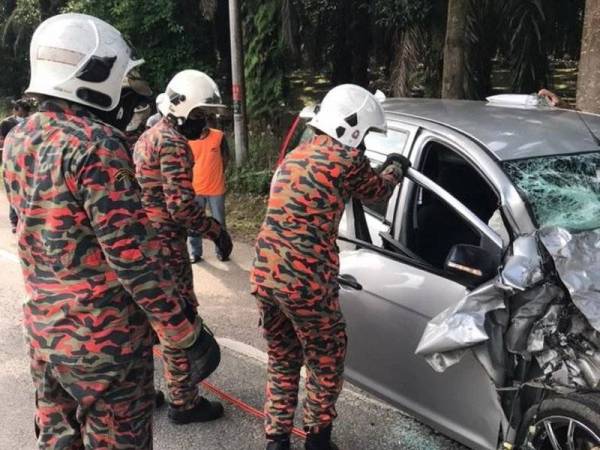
508 132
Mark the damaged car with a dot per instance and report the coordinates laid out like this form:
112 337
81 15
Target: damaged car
472 296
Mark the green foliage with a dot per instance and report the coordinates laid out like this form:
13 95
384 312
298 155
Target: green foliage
249 181
401 14
526 52
264 61
16 26
168 42
255 176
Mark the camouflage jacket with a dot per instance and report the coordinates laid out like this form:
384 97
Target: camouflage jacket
164 167
296 247
89 259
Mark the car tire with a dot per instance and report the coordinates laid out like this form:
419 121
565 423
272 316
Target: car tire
574 417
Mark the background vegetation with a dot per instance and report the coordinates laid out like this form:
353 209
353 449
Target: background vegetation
296 49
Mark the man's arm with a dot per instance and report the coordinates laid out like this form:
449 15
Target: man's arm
105 184
225 155
363 183
176 170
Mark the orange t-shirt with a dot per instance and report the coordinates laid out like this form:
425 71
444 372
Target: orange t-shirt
209 177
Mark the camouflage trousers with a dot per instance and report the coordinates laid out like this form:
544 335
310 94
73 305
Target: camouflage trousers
176 367
182 393
308 330
176 262
104 407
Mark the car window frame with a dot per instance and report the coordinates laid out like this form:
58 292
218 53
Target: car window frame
411 132
416 177
417 153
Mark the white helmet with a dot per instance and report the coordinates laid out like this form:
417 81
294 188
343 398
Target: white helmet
190 89
160 98
347 113
80 58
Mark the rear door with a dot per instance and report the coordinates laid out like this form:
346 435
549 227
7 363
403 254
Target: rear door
388 295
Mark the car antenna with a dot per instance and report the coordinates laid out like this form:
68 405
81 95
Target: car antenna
596 138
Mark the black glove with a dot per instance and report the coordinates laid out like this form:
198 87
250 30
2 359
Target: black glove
396 158
204 356
224 245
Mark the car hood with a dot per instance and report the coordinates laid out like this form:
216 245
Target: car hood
544 304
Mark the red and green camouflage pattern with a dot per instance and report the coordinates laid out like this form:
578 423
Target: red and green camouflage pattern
302 328
182 392
105 407
294 276
296 247
164 163
89 258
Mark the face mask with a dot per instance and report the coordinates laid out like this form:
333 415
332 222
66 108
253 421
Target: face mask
20 119
192 128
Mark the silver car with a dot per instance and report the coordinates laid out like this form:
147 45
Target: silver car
395 278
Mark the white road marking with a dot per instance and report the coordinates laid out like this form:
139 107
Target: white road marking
242 349
260 356
9 256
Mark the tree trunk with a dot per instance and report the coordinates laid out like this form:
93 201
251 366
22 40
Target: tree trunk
407 45
361 42
454 51
341 70
588 82
434 51
222 42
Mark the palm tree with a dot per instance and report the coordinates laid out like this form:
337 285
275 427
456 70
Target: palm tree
453 83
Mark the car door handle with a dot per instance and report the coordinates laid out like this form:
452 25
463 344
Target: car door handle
349 281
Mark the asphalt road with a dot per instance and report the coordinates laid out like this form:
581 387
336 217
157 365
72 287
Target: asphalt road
364 423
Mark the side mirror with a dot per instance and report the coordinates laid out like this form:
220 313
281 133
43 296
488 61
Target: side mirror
471 264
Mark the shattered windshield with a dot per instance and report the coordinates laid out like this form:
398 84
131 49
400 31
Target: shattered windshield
563 191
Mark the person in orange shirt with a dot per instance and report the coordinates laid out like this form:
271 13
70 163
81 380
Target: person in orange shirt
211 156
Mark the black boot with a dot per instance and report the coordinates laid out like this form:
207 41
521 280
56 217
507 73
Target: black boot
320 440
159 399
281 442
204 411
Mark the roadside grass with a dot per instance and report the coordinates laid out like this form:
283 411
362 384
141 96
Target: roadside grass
245 214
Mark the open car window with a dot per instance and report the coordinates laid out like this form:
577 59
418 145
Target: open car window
453 204
487 239
378 146
444 215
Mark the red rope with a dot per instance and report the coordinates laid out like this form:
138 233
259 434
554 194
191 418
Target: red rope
241 405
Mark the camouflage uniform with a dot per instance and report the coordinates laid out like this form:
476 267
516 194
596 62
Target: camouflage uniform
294 276
90 263
164 162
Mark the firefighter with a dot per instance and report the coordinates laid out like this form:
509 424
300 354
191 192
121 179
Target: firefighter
164 164
294 276
90 261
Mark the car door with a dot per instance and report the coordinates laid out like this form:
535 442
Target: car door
388 296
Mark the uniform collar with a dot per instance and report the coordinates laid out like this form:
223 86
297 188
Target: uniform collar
67 108
58 106
324 140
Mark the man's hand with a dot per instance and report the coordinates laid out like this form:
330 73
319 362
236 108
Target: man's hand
204 356
224 245
396 158
550 97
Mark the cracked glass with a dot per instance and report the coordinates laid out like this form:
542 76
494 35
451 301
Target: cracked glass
562 191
